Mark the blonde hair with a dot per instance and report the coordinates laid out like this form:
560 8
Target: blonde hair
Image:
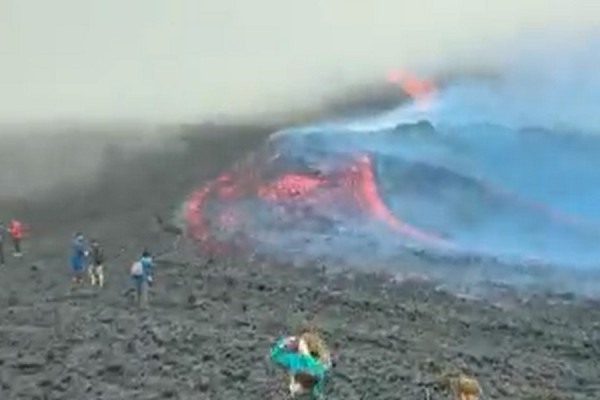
316 347
309 343
466 387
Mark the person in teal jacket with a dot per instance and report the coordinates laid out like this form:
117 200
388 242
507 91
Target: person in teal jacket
291 354
141 275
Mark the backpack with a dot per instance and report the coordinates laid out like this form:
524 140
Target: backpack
137 269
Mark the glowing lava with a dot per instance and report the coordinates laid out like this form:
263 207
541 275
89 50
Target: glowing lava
232 202
420 90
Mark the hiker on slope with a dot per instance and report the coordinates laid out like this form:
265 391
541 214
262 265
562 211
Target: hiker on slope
2 234
97 264
78 255
15 228
141 275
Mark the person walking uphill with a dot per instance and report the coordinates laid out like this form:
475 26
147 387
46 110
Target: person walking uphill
78 255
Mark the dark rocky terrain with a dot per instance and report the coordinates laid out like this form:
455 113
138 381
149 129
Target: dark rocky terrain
211 321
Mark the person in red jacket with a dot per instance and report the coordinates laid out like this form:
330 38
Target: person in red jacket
15 229
2 236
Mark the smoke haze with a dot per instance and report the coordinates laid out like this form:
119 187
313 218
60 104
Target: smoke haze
184 60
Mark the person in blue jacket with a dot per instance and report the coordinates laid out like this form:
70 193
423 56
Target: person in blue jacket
78 255
141 275
148 266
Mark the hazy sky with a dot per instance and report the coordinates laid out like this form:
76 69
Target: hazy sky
182 59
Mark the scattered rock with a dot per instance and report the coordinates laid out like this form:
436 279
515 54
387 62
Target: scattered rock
114 369
203 384
29 364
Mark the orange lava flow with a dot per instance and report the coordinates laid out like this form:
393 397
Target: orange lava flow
421 90
354 188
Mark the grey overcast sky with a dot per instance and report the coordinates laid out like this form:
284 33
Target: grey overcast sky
184 59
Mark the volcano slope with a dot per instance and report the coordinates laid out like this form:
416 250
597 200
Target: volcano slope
212 320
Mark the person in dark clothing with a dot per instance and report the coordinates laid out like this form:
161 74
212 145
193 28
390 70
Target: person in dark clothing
97 264
2 234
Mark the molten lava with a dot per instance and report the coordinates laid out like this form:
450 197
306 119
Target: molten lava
420 90
231 203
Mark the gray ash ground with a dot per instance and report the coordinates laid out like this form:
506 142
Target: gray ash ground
211 321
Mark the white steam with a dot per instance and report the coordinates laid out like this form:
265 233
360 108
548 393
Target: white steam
188 59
